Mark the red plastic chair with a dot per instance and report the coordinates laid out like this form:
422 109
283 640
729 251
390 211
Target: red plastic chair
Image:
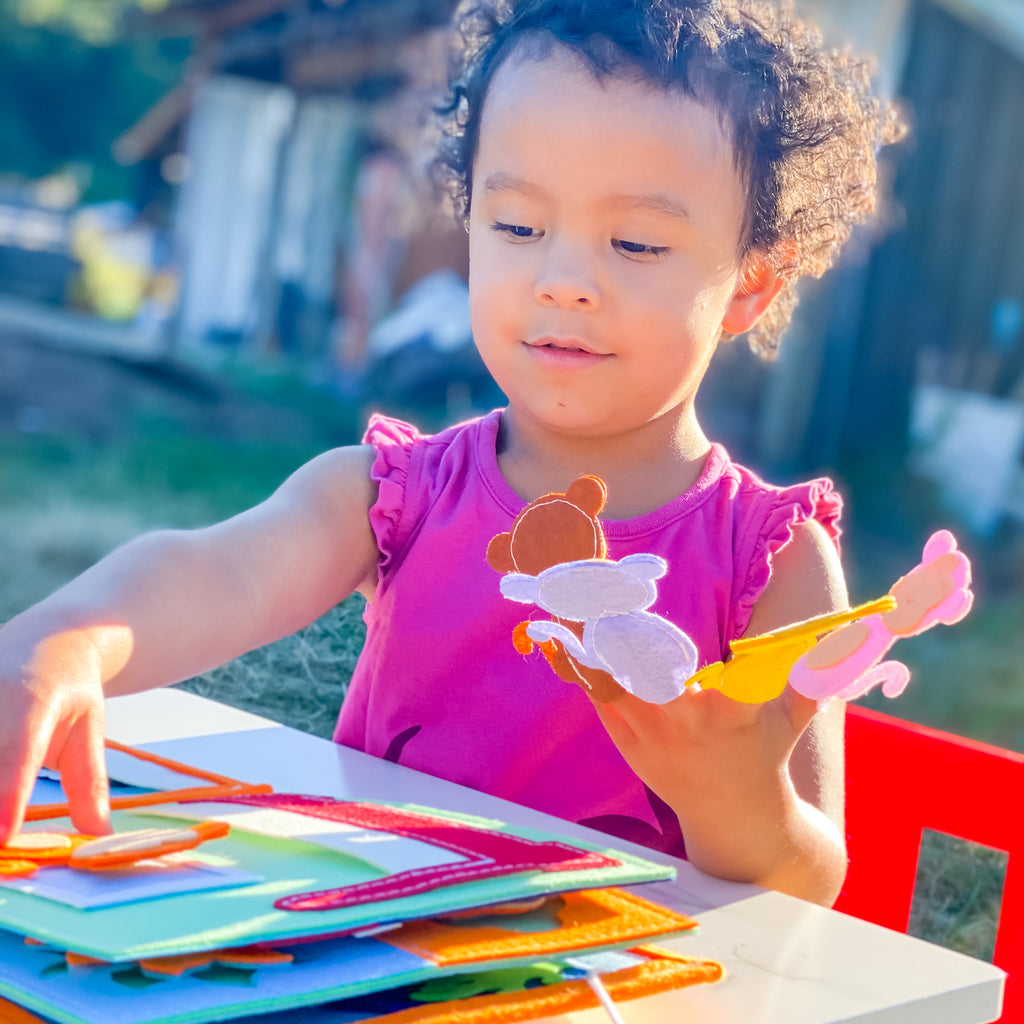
902 778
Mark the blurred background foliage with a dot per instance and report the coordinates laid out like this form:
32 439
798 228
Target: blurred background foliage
72 81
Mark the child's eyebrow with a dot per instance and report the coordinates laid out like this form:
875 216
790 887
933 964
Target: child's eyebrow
502 181
658 202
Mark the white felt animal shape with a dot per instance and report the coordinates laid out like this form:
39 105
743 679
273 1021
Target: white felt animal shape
647 655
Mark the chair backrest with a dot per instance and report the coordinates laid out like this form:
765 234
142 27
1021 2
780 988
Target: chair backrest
902 778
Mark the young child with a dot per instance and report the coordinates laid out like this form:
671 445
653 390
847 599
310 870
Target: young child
641 179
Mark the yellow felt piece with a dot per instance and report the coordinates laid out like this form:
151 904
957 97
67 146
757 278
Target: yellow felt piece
588 918
813 627
759 668
125 848
643 979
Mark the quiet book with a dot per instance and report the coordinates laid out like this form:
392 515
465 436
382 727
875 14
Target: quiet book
216 899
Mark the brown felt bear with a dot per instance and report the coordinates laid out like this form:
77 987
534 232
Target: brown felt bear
553 529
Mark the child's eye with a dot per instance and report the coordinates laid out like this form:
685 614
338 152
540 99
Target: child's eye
516 231
639 248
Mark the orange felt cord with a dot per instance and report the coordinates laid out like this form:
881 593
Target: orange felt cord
222 786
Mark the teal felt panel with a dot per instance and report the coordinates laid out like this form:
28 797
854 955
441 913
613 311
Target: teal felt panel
243 915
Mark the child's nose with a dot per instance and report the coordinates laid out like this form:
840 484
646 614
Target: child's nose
566 279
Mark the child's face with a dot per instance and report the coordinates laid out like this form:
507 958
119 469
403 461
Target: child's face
604 241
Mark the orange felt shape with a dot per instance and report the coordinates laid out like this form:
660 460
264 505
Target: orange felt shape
243 956
585 919
125 848
13 1014
11 867
39 847
554 529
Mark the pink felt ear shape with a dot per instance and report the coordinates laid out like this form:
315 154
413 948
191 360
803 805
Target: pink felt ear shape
848 663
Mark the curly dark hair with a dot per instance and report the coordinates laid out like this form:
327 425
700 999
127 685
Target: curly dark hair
804 120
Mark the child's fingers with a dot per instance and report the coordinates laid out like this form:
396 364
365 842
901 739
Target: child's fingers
800 709
21 757
83 773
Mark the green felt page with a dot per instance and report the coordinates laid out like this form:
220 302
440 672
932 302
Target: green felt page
246 914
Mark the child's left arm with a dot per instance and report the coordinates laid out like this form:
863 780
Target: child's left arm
758 788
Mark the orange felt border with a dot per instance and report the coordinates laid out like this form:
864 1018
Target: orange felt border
11 1013
220 786
644 979
588 918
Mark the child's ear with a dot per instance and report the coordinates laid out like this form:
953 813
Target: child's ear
758 286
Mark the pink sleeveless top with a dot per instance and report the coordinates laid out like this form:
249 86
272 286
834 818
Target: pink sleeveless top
439 686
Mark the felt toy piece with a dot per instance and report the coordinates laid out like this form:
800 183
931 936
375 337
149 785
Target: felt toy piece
602 636
647 655
40 848
11 867
848 663
123 849
555 528
217 786
558 528
759 666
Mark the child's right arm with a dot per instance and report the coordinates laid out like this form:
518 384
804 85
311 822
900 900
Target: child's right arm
169 606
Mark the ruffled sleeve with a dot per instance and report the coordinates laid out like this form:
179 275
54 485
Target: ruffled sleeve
783 508
392 441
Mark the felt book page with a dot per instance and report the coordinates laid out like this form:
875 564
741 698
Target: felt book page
386 850
418 963
310 889
169 876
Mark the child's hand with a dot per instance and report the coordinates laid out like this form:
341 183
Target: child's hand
168 606
703 751
758 788
52 698
726 769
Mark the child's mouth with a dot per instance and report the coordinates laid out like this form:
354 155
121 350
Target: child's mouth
565 350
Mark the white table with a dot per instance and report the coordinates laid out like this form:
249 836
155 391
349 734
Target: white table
785 960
